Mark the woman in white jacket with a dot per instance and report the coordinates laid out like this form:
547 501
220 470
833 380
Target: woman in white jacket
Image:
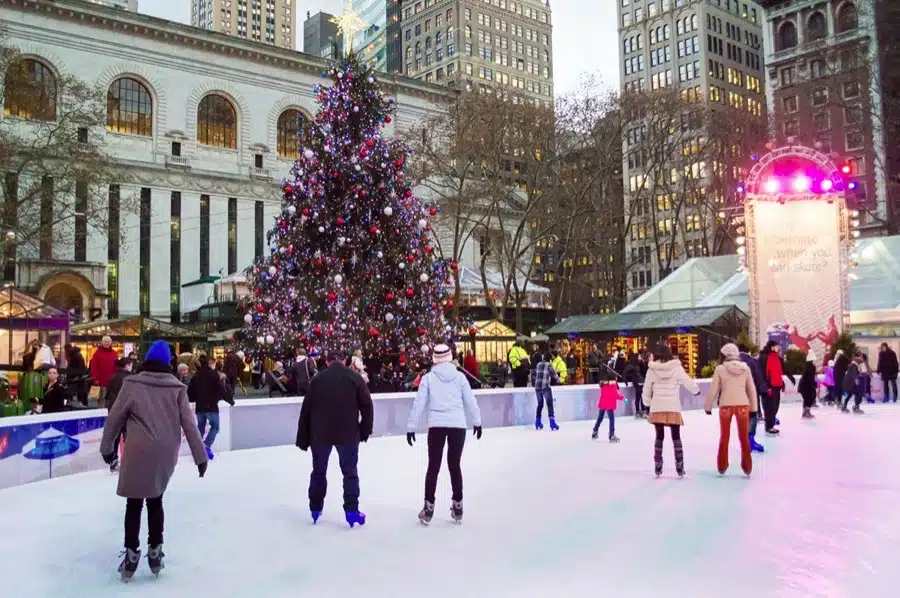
444 393
662 394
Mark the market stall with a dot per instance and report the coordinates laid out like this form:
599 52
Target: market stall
131 334
491 341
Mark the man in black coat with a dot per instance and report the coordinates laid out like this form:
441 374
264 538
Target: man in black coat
762 389
206 389
337 412
888 369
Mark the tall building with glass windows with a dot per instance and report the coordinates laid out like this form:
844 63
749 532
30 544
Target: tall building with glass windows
712 50
491 44
370 43
266 21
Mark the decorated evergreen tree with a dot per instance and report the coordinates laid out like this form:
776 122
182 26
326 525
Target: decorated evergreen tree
351 264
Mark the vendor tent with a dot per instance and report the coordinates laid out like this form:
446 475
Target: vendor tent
137 332
24 317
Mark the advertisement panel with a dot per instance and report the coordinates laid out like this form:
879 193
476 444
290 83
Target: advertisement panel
795 271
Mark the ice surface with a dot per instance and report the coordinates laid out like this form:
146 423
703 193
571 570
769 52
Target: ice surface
547 514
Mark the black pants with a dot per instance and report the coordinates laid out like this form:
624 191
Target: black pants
676 443
348 457
772 401
638 399
809 399
455 438
155 521
890 385
520 377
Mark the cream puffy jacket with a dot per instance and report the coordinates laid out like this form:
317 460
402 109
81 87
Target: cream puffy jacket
732 384
662 386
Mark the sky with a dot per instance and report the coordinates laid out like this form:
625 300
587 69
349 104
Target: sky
584 35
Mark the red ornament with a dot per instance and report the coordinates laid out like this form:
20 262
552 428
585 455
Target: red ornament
332 297
473 331
363 152
410 292
410 258
374 230
398 162
260 307
408 193
374 333
389 296
305 211
340 221
420 331
290 251
370 142
387 119
450 304
428 250
433 211
454 266
288 189
317 331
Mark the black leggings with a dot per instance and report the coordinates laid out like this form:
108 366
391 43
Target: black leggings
155 521
676 443
455 438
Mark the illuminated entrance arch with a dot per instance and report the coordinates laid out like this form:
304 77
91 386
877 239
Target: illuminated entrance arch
798 249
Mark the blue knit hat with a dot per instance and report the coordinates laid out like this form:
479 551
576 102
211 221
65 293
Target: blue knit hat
159 351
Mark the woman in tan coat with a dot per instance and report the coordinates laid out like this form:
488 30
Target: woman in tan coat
153 405
732 385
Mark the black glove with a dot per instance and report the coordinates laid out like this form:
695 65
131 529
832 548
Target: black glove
363 437
477 432
410 438
109 458
303 448
709 413
201 468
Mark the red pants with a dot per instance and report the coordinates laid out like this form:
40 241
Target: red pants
743 423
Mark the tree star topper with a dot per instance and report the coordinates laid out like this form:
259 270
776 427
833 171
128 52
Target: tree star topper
348 24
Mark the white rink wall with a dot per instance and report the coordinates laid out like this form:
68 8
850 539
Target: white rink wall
40 447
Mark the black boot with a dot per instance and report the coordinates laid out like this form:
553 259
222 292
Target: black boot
658 457
679 458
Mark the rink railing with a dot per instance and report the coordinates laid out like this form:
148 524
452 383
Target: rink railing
40 447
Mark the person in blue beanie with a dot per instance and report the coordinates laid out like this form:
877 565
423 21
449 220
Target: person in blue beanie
153 404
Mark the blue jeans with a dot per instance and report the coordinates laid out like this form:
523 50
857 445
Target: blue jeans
542 394
612 421
348 456
213 419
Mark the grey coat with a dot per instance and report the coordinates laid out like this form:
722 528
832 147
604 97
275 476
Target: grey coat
153 409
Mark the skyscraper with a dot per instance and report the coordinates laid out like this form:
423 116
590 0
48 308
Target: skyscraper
321 37
505 44
370 43
710 50
267 21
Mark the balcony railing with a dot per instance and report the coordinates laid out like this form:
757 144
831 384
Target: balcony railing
260 173
178 162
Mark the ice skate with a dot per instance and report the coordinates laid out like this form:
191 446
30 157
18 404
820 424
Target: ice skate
594 435
756 447
155 557
456 511
807 414
129 564
614 439
427 513
553 425
658 468
773 432
315 516
538 425
209 454
845 410
356 518
857 410
679 468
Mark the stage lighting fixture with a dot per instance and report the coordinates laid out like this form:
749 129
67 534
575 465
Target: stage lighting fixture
772 186
801 184
827 185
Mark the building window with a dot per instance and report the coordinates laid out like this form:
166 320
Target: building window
816 27
217 122
787 36
144 269
81 202
232 234
46 219
821 121
288 128
258 230
817 68
129 108
29 91
819 96
847 18
175 259
851 89
112 255
204 236
791 127
790 104
787 76
854 140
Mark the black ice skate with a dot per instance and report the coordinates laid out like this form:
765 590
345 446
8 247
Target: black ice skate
155 557
456 511
658 468
679 468
129 564
857 410
614 439
427 513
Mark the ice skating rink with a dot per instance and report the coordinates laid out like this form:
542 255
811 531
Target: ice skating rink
547 514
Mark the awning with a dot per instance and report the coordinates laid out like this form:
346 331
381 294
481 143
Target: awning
674 319
135 329
470 282
21 311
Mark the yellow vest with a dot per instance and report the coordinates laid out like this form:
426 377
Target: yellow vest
516 355
559 364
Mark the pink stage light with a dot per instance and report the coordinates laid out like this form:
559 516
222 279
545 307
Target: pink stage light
827 185
772 186
801 184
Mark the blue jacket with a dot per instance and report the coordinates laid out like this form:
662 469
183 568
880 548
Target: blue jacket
444 393
762 387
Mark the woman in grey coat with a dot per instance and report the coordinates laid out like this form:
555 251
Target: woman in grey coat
154 406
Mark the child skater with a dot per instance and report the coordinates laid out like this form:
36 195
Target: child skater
828 382
609 396
444 393
662 394
154 405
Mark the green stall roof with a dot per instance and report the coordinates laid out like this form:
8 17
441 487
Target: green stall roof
652 320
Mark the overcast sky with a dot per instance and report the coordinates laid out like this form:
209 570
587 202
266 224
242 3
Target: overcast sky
584 34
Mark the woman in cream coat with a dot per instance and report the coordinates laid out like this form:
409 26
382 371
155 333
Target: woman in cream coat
662 394
733 386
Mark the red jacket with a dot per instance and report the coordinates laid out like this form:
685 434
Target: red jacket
103 366
609 396
774 371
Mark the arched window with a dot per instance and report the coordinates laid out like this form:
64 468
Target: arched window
653 36
694 22
418 48
640 41
216 122
129 108
816 27
427 43
848 18
29 90
450 31
439 37
667 32
468 32
787 36
288 129
409 51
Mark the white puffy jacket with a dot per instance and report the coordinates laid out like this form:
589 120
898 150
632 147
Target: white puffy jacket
448 399
662 386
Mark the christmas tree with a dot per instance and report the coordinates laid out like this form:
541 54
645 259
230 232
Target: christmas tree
351 264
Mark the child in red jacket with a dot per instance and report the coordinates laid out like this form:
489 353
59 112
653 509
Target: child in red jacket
609 396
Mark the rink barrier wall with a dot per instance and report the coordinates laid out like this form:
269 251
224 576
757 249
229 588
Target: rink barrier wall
40 447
